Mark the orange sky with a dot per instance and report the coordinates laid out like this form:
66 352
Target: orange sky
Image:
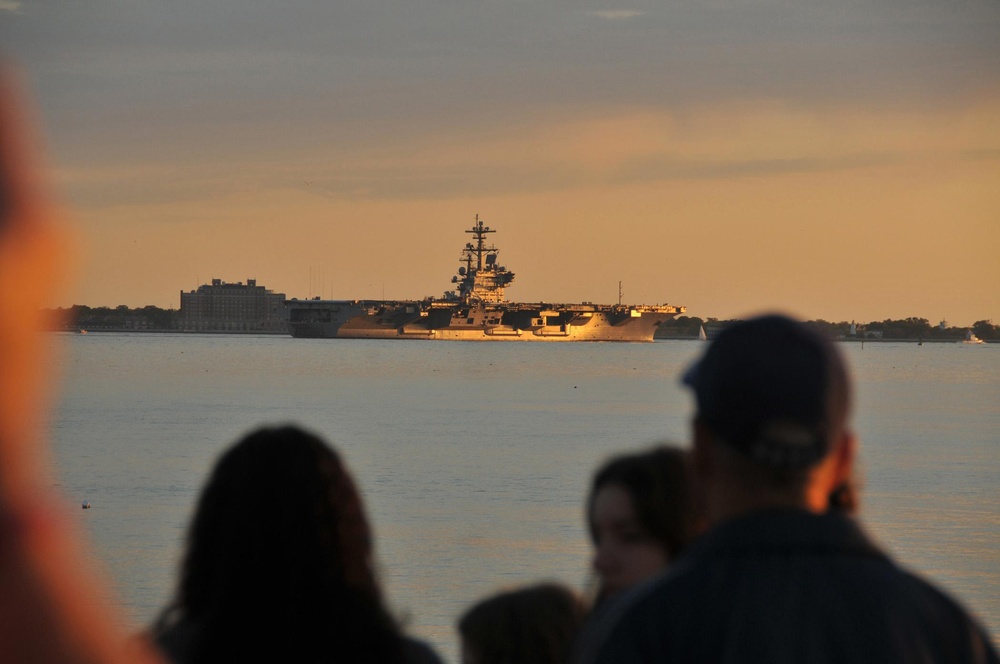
827 214
850 178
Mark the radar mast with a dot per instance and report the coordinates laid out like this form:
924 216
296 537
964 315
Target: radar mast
481 280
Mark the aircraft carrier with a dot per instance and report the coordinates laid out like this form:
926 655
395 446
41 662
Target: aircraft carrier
476 310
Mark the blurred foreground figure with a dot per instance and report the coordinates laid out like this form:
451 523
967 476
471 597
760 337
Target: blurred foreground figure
51 609
533 625
640 515
279 564
780 576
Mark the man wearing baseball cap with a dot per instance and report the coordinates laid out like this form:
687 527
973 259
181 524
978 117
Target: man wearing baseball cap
780 576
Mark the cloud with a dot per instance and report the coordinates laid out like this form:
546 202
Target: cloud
615 14
984 154
9 5
662 169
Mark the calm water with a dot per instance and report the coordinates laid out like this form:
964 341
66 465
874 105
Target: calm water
474 458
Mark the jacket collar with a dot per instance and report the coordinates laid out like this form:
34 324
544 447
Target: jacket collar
776 531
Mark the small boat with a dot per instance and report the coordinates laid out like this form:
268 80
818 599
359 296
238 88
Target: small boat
971 338
81 331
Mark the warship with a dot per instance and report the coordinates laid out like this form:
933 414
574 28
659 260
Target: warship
476 310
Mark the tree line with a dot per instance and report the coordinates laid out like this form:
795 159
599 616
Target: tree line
80 316
905 328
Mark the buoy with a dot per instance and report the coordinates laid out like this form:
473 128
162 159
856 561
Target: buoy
86 505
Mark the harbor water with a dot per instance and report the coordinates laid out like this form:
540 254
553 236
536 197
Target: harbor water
474 459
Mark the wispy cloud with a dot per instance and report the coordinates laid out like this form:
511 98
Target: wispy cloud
672 169
9 5
615 14
983 154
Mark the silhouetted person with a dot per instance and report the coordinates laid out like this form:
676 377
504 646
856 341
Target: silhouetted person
50 611
780 577
640 515
279 564
533 625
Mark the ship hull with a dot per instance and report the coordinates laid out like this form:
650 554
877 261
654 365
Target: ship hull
441 321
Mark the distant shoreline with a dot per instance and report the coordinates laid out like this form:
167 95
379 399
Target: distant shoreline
658 338
114 330
911 341
850 340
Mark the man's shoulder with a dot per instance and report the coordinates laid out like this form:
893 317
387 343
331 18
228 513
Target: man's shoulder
825 585
806 598
903 618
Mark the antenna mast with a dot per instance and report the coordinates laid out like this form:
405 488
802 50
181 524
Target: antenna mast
482 279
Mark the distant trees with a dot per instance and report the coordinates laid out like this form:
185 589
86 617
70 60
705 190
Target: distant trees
159 318
105 318
681 326
915 328
905 328
985 329
832 330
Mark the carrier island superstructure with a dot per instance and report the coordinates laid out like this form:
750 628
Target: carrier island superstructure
476 310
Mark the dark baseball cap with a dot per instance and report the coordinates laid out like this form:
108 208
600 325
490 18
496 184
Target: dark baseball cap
773 389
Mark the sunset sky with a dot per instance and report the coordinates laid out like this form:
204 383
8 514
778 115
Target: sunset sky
835 159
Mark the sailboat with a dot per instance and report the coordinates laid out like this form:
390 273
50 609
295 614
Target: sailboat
971 338
701 334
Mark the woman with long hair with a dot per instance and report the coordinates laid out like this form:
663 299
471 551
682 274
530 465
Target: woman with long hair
279 564
641 516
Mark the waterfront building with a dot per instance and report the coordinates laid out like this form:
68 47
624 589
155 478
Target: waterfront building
227 307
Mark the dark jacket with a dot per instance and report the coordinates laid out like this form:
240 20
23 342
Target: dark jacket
787 586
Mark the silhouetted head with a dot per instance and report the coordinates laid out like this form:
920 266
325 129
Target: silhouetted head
640 515
533 625
773 389
773 399
279 559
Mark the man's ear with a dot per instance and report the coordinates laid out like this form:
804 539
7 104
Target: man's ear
845 456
